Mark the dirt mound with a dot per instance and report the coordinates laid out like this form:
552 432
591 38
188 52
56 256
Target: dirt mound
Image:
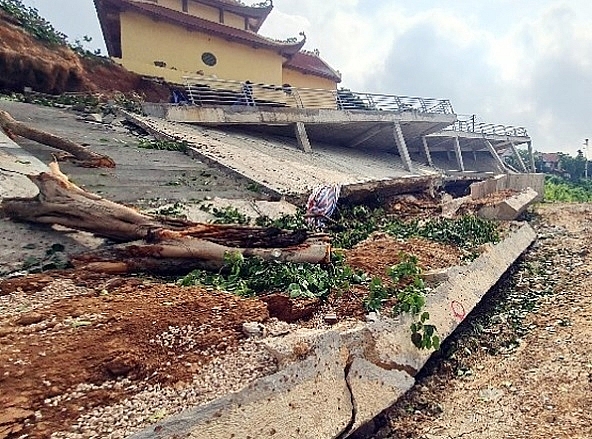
27 62
152 332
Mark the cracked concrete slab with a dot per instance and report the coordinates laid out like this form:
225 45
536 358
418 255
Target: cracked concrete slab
308 399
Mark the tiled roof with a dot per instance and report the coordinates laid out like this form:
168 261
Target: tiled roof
312 64
550 157
108 12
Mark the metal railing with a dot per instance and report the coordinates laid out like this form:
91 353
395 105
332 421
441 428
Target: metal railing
469 124
217 92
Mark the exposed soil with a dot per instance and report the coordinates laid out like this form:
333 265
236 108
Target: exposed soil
520 366
27 62
149 332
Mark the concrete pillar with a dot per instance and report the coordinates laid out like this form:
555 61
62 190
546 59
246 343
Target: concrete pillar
402 146
458 153
302 137
426 151
531 157
518 157
496 156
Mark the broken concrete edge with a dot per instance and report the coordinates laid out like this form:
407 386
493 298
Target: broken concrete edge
347 376
15 164
517 182
510 208
194 152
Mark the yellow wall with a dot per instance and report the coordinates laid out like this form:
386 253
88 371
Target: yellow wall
203 11
302 80
234 20
144 41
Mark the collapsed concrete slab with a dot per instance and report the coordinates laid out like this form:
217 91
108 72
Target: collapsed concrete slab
15 164
332 383
510 208
516 182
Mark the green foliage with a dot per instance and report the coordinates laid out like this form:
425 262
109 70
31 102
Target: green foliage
559 189
252 276
424 336
162 145
409 291
54 259
174 210
30 20
226 215
83 101
355 225
286 222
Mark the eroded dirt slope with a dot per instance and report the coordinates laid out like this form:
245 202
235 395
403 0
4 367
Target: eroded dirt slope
514 378
27 62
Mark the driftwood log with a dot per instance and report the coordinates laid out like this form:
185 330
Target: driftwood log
83 156
149 243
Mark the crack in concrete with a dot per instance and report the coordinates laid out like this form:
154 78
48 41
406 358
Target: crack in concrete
347 429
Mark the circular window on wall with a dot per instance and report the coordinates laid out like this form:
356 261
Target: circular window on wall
209 59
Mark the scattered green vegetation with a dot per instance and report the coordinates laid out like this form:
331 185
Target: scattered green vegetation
82 101
226 215
286 222
252 276
162 145
562 190
30 20
54 259
353 225
408 290
174 210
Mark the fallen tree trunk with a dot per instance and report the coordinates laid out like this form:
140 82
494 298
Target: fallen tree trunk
84 156
152 243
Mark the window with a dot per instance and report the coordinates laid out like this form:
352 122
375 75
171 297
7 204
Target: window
185 6
209 59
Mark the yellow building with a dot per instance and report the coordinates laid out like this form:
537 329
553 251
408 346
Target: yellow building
171 39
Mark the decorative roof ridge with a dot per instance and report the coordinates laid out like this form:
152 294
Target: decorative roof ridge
325 71
287 47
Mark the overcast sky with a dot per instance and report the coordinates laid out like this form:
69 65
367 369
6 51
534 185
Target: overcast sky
516 62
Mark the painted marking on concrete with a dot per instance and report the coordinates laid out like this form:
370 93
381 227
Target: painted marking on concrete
458 310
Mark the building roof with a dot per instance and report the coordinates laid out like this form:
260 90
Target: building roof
109 11
310 63
550 157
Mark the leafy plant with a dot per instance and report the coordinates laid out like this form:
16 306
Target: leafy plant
409 291
423 335
252 276
559 189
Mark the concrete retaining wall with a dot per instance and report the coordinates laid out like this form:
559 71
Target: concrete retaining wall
517 182
348 376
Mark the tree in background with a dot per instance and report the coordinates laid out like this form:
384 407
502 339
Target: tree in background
574 167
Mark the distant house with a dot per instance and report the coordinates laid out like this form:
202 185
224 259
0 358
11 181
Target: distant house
551 161
214 38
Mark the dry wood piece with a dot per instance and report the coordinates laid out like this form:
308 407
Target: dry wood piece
152 243
84 156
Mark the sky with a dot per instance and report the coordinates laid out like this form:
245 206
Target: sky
515 62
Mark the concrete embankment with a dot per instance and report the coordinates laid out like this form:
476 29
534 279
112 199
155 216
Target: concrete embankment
332 382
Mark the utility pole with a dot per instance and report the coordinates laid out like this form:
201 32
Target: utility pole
586 158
